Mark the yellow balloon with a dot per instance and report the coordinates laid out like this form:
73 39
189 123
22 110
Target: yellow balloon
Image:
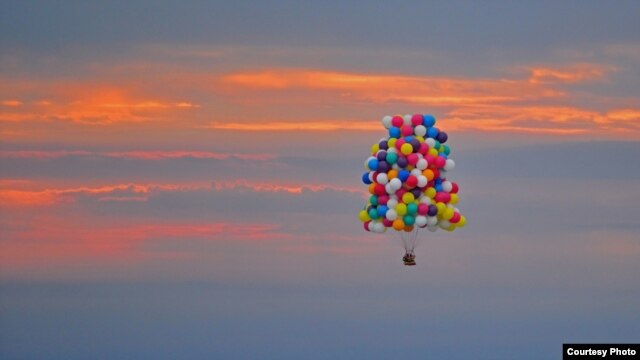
406 149
454 199
408 198
441 208
401 209
448 213
420 138
451 228
433 152
392 142
364 216
375 148
462 222
430 192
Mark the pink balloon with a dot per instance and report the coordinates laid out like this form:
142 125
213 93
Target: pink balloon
383 199
440 162
386 222
416 119
401 192
407 130
423 209
366 225
456 218
412 159
424 149
443 197
399 143
397 121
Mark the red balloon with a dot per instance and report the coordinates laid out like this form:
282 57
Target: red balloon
383 199
386 222
454 188
456 218
399 143
412 181
407 130
397 121
430 159
424 149
400 192
366 225
423 209
379 190
440 162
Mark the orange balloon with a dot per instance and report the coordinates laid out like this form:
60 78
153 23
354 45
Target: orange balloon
372 188
398 224
408 228
392 174
428 173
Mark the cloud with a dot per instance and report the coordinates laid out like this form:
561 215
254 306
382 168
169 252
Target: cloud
573 73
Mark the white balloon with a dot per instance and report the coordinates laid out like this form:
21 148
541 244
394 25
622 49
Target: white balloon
382 179
392 203
389 189
447 186
421 220
386 121
432 220
396 184
420 130
371 176
422 164
444 224
424 199
431 142
392 150
406 120
449 165
391 214
379 227
432 228
416 172
422 181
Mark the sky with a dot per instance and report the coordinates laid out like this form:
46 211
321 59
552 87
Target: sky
182 179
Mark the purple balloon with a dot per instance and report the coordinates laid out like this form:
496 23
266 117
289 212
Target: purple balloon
383 166
382 145
442 137
433 210
416 192
382 155
415 143
402 161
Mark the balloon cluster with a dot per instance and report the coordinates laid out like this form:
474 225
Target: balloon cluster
406 174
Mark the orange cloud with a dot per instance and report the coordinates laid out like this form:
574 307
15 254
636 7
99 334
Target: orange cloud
381 88
569 74
326 125
12 103
11 197
138 155
57 240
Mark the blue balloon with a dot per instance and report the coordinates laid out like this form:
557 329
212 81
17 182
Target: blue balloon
373 164
408 138
382 210
394 132
438 187
365 178
403 175
432 132
428 120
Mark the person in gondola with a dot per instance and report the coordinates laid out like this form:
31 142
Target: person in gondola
409 259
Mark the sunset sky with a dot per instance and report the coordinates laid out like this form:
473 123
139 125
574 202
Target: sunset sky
182 180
